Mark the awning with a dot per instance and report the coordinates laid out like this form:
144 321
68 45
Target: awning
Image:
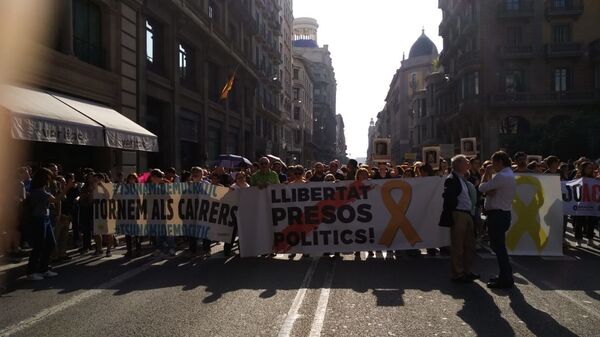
37 116
120 131
55 118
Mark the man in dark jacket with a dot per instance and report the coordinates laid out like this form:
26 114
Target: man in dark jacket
457 215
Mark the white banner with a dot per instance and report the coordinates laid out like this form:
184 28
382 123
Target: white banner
199 210
581 197
342 217
537 217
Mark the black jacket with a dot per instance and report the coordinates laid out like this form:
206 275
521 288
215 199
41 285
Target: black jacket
452 189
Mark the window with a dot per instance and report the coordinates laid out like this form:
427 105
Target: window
513 5
559 4
513 81
297 113
87 32
296 94
297 137
597 77
476 83
215 83
514 36
561 80
296 73
214 139
413 81
561 34
153 44
185 68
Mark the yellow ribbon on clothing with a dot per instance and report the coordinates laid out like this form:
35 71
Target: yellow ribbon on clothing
527 216
398 220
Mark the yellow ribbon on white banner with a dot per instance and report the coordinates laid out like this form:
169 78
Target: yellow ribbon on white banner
398 220
527 216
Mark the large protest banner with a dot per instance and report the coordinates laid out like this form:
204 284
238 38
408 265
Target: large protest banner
537 217
581 197
199 210
344 216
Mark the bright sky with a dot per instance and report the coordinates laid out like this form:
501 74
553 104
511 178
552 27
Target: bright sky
366 39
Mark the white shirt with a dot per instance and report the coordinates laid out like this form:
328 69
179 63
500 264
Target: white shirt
504 186
464 200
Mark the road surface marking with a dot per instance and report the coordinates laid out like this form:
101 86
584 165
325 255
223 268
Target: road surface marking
46 313
319 319
292 315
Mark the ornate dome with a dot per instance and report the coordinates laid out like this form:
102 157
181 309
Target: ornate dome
423 47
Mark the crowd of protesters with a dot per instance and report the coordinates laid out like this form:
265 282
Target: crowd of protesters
56 207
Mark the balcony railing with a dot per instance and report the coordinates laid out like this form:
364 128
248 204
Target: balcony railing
522 9
516 52
547 98
564 7
468 59
566 49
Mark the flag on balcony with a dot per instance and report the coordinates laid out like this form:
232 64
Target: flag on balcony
228 86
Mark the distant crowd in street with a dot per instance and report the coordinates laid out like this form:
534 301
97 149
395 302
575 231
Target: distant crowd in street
55 215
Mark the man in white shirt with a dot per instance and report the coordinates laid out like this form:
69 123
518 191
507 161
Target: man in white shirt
457 215
499 193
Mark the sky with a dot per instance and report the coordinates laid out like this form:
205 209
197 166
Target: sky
366 39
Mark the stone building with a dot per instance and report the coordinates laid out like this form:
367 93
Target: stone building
301 145
162 64
325 86
515 67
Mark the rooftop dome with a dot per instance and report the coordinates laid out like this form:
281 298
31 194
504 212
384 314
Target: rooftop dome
423 47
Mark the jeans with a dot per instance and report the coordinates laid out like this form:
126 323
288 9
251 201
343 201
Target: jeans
43 243
585 224
498 225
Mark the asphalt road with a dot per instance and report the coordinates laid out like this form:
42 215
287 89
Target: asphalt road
381 296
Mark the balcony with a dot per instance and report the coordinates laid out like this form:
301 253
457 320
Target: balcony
468 59
567 49
517 52
520 10
564 8
545 99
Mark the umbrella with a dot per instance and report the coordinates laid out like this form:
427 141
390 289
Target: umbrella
273 159
231 161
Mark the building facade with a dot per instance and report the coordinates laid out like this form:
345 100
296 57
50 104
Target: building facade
302 146
325 87
400 119
340 135
163 64
517 74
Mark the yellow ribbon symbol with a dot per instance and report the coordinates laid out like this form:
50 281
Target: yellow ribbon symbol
527 221
397 211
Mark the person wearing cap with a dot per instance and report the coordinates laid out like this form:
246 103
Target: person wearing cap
264 176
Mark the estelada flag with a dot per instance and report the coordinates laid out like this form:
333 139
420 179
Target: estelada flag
228 86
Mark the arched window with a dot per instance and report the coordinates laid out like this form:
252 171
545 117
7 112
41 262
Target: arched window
514 125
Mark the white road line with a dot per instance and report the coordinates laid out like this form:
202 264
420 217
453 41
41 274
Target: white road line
317 324
292 315
561 293
42 315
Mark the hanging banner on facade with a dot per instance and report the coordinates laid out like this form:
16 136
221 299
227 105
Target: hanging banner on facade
537 217
199 210
581 197
342 217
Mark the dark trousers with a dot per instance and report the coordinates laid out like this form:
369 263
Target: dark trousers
498 224
43 243
584 224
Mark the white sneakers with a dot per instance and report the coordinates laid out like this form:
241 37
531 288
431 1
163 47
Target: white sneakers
41 276
35 277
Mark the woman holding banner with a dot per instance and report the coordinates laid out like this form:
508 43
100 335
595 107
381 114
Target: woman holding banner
585 223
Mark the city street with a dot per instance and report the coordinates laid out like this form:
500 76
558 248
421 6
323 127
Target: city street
380 296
